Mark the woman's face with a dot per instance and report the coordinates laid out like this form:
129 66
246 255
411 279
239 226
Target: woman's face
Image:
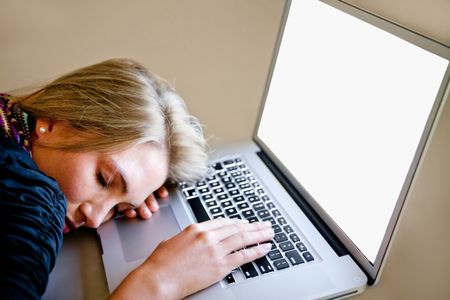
97 184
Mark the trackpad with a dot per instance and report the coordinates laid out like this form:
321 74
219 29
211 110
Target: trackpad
139 237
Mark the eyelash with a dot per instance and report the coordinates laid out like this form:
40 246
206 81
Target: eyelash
101 181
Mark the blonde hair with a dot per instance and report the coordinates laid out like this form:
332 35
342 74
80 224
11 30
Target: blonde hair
119 103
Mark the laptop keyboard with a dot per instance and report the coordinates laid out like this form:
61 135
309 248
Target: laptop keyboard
232 191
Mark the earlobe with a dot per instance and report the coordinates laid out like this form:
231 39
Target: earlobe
42 128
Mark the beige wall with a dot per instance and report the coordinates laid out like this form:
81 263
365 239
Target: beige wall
217 52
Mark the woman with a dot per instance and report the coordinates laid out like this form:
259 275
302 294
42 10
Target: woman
96 142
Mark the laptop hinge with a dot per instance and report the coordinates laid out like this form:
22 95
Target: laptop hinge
324 230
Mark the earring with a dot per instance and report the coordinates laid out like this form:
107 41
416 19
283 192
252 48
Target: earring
42 130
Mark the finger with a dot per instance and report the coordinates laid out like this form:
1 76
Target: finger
244 256
215 223
129 213
152 203
243 239
162 192
227 231
143 211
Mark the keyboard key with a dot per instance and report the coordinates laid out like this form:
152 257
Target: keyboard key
229 279
247 213
280 237
253 199
236 173
258 206
252 219
231 211
301 247
260 191
308 256
222 174
235 217
226 179
211 203
238 199
207 196
286 246
249 270
265 198
294 237
189 192
238 159
281 264
230 185
218 190
282 221
288 229
244 186
270 205
243 205
276 228
198 209
276 213
226 204
211 178
222 197
215 210
228 162
219 216
203 190
275 254
263 213
249 192
233 192
294 257
240 179
214 184
263 265
217 166
271 220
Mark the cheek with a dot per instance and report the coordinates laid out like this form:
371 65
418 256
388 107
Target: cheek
75 182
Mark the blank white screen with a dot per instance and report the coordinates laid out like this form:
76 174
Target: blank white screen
345 111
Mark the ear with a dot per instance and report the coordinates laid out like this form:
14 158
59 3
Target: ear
43 130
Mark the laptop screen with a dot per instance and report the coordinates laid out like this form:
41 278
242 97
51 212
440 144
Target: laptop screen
344 114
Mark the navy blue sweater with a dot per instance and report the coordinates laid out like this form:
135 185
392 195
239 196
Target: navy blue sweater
32 211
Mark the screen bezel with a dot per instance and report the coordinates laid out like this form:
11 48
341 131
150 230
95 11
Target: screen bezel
373 270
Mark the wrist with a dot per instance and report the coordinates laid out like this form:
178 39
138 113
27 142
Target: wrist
143 283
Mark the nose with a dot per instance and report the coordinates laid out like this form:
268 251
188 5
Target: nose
94 213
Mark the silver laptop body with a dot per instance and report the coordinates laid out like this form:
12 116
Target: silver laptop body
338 141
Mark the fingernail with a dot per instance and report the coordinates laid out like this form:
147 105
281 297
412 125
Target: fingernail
146 211
267 223
267 246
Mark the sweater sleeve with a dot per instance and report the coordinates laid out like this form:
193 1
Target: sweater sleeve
32 211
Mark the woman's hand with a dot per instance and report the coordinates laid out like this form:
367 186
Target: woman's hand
197 257
150 205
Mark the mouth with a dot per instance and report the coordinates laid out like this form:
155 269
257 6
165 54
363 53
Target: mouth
69 226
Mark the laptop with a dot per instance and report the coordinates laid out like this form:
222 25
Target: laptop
350 103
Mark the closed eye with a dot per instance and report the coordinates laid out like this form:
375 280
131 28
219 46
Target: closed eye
101 180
